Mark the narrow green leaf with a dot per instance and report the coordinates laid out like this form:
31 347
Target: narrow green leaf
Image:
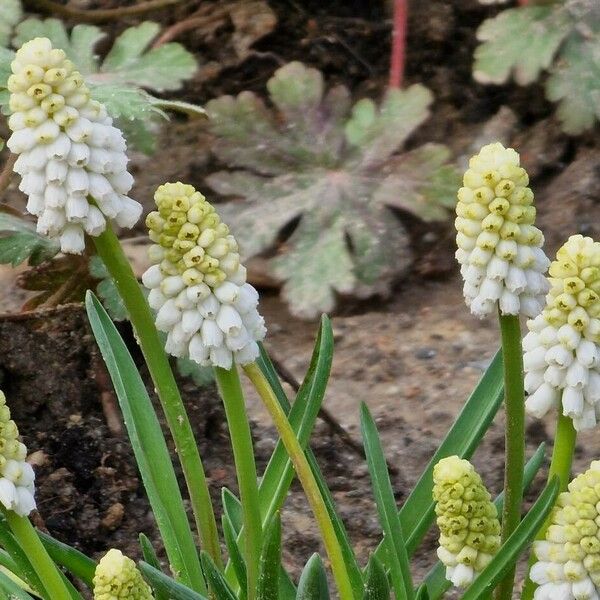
77 563
150 557
235 554
387 510
216 581
313 581
417 513
12 590
515 544
349 557
377 586
18 555
422 593
167 586
232 508
436 581
149 446
270 561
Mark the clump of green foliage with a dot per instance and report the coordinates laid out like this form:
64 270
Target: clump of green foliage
560 38
121 80
334 173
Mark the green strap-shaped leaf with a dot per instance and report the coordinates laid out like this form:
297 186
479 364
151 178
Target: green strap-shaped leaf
25 569
149 446
515 544
216 581
77 563
235 555
387 510
417 513
313 581
167 586
150 557
349 557
270 561
11 590
435 581
377 586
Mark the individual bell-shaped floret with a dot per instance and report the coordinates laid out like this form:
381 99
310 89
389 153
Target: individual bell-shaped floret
467 520
568 564
117 578
17 479
72 159
197 283
562 351
499 248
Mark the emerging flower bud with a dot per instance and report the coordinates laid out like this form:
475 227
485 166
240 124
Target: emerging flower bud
72 159
569 558
562 352
197 283
17 479
499 248
118 578
467 519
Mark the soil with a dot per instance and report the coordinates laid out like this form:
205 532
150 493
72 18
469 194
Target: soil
413 358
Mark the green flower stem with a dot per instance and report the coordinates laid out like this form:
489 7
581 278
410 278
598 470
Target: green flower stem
306 477
243 453
110 251
47 571
562 459
514 397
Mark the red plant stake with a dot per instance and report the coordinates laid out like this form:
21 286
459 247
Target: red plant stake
398 56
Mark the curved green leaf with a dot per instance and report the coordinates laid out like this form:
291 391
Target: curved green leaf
313 581
167 586
377 586
270 561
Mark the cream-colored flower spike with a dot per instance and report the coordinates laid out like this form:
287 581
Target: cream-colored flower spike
197 283
467 519
17 479
117 578
72 159
562 348
568 566
499 248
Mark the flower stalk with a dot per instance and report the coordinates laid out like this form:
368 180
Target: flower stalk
230 389
27 537
306 477
514 462
110 251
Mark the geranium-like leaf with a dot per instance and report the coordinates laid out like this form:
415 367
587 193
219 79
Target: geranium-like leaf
20 242
11 12
314 184
379 132
162 68
317 265
107 290
421 182
575 84
521 41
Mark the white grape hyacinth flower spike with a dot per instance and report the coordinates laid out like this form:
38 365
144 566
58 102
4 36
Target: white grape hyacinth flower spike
562 351
197 285
17 479
568 560
499 247
72 159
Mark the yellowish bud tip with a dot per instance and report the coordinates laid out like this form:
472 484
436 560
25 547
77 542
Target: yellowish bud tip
117 577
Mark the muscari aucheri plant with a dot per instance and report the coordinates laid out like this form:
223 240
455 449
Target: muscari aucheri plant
72 160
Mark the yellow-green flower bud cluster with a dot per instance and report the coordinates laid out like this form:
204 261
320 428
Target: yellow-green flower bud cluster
467 519
69 151
197 283
17 479
562 352
568 564
499 248
117 578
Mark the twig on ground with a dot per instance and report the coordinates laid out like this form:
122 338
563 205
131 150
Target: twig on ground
197 20
7 172
102 14
398 55
110 407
